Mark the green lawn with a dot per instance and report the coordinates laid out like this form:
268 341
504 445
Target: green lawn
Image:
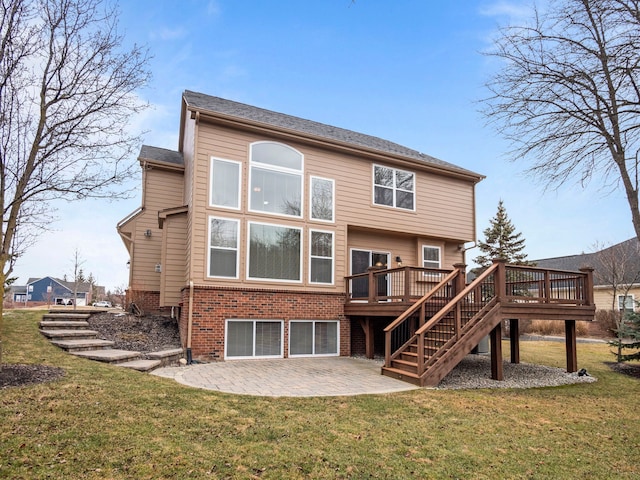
101 421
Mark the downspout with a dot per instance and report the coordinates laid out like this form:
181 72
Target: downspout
190 323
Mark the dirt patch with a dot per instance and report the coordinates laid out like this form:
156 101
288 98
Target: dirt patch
15 375
631 370
149 333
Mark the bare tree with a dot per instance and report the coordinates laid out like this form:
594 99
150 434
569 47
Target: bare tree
78 275
67 93
567 94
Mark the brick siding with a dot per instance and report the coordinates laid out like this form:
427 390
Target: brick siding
213 305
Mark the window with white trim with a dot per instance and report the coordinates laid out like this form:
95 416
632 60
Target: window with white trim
393 187
275 179
223 247
253 339
321 257
322 199
274 253
314 338
431 256
225 183
626 303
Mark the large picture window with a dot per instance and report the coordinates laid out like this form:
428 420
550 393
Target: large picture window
393 187
223 247
313 337
322 199
225 184
321 261
276 179
275 252
253 338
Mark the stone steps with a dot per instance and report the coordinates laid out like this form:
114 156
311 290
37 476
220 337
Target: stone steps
70 331
63 325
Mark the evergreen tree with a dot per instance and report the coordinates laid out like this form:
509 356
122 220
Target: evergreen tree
628 338
501 241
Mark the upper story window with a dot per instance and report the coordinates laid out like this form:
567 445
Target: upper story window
393 187
225 184
276 179
322 199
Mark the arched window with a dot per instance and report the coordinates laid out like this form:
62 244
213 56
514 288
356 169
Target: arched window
276 179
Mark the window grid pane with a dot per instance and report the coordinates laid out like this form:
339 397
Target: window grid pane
394 188
223 244
301 338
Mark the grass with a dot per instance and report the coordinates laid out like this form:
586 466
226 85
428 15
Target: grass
101 421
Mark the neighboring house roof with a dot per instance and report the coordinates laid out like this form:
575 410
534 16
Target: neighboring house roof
82 287
207 103
627 252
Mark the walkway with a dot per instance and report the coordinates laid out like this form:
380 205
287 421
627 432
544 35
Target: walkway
290 377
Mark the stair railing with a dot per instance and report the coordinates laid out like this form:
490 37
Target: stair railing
465 310
398 334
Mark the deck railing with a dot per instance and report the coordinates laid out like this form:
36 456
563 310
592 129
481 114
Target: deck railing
432 327
402 284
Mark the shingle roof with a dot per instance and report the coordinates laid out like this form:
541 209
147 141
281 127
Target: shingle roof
148 152
208 103
603 261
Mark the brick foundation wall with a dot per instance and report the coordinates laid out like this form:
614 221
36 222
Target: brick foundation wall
213 305
147 300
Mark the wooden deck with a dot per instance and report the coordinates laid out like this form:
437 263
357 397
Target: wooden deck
440 319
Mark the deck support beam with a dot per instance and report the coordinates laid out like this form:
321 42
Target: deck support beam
496 353
367 328
514 339
570 339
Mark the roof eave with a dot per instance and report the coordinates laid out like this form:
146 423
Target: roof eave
243 123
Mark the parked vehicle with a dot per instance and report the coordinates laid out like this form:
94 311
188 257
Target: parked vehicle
102 304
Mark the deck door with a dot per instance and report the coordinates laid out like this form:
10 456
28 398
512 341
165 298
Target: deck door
361 260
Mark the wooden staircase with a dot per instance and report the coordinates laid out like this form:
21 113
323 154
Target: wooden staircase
428 340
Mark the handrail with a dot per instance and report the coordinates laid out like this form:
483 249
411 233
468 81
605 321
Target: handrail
454 301
422 300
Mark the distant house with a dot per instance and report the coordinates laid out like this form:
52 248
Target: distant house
616 275
51 291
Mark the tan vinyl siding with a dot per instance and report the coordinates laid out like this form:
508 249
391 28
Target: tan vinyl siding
444 208
173 277
164 189
603 297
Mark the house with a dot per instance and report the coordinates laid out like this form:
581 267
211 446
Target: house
616 273
264 215
272 236
51 291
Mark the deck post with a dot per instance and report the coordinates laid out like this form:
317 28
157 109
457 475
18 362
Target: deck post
407 285
588 288
496 353
514 337
570 338
461 279
368 336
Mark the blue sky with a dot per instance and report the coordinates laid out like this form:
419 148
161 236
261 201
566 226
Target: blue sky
408 71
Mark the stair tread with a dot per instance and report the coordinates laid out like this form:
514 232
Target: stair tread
79 342
141 365
60 333
107 355
63 323
165 353
400 372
